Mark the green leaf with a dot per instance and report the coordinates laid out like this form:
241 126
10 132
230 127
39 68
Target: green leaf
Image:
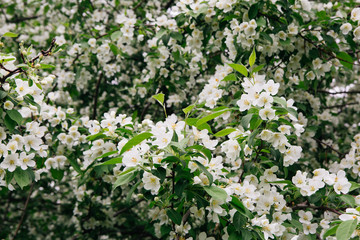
3 94
171 159
346 229
203 168
239 220
345 59
10 34
204 126
280 101
255 121
237 204
252 137
354 186
245 121
252 58
240 68
174 216
9 123
297 224
165 39
46 66
112 161
224 132
348 199
253 11
216 193
115 35
258 68
75 165
282 182
188 109
15 115
160 98
22 177
125 177
210 117
8 177
160 33
292 111
202 149
176 35
135 141
331 231
95 137
191 121
178 58
114 49
57 174
230 77
107 154
132 190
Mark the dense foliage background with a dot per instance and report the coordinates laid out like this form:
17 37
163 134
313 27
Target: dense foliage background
219 119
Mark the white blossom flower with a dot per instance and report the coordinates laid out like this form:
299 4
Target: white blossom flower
10 162
151 182
26 161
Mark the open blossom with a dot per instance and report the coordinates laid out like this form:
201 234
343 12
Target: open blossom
346 28
10 162
132 158
355 14
267 113
26 161
163 140
22 87
264 100
272 87
305 217
299 179
151 182
8 105
231 149
351 214
310 228
357 33
292 155
244 103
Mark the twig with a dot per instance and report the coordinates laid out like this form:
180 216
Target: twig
138 5
169 4
53 89
329 53
128 208
186 216
19 69
24 210
21 19
342 105
44 53
321 142
341 92
96 95
317 208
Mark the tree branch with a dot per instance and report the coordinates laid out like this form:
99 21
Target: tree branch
341 92
342 105
17 19
297 207
128 208
327 145
19 69
24 211
138 5
96 95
